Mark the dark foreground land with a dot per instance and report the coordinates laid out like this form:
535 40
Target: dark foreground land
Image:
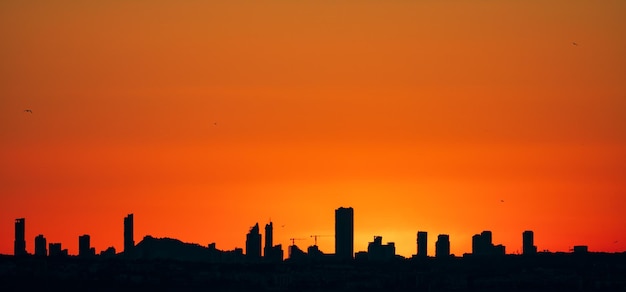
543 272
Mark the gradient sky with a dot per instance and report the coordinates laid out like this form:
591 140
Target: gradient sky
421 115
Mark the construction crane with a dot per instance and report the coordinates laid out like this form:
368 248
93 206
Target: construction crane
293 240
315 236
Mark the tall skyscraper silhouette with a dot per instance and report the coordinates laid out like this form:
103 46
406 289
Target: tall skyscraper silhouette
269 238
528 243
19 245
40 246
253 243
129 242
442 246
344 233
422 244
271 253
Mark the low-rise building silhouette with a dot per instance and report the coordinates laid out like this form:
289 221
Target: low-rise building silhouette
482 245
40 246
581 249
296 254
109 252
377 251
55 250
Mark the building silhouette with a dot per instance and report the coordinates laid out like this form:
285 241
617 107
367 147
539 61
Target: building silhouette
422 244
55 250
442 246
276 253
271 253
253 243
129 242
84 246
296 254
40 246
377 251
581 249
528 243
19 245
269 239
482 245
314 253
344 233
109 252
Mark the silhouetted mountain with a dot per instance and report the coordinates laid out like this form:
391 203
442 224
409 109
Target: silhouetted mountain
151 248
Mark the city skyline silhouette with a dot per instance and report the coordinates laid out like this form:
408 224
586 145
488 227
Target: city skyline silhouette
234 129
168 263
254 250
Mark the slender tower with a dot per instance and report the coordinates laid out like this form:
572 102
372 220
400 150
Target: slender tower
253 243
422 244
269 237
129 242
19 246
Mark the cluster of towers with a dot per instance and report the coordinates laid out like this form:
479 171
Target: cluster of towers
42 248
271 252
344 243
442 245
481 245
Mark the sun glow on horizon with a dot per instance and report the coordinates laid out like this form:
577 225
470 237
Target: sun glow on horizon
205 118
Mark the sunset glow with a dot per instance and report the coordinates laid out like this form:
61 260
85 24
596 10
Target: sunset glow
204 117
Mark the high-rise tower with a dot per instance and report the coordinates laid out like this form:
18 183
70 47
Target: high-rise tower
269 237
344 233
528 243
19 246
129 242
442 246
253 243
422 244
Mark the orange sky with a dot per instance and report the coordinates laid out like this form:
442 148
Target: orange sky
421 115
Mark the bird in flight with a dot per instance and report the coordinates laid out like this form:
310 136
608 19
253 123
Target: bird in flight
575 43
28 111
501 201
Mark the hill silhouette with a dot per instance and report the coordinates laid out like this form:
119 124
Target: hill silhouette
152 248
